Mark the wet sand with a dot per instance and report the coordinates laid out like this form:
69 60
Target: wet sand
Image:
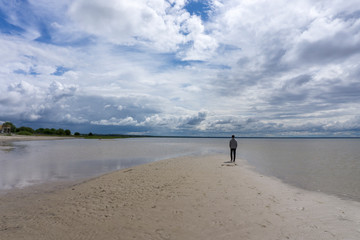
183 198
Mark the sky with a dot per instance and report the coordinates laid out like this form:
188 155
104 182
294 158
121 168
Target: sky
252 68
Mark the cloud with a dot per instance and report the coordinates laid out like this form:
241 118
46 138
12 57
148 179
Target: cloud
293 90
157 25
131 22
202 45
74 120
195 120
58 91
129 121
156 122
328 40
24 101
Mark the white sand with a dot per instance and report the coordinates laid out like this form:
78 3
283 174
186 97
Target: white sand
5 138
183 198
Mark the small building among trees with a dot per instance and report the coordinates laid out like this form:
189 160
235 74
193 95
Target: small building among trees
5 128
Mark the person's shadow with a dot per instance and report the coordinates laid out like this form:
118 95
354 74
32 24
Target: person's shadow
229 163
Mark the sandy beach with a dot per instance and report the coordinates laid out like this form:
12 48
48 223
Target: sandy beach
5 138
184 198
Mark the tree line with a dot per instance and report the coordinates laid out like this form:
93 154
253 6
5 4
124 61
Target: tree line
41 131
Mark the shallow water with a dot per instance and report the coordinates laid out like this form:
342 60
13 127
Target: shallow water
34 162
328 165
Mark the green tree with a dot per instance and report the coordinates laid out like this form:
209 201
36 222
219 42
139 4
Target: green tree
77 134
25 129
60 132
47 131
40 131
67 132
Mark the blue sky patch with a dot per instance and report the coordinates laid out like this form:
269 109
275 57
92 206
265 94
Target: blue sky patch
8 28
30 72
20 71
33 72
199 8
60 70
45 34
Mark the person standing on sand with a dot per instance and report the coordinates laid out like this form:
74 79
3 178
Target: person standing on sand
233 146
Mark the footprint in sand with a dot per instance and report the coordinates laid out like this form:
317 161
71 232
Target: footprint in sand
162 234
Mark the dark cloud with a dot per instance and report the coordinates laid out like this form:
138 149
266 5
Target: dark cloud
292 91
341 93
196 120
288 97
273 64
57 91
342 45
297 81
96 108
354 16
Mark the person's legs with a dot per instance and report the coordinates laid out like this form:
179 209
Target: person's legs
232 155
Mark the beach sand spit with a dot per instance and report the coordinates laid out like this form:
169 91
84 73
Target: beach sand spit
184 198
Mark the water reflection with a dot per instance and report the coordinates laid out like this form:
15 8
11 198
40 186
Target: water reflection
33 162
6 146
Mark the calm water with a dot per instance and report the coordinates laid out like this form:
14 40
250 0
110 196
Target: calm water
328 165
33 162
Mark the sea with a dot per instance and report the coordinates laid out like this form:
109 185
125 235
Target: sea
328 165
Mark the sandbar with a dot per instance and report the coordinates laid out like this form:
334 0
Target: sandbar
194 197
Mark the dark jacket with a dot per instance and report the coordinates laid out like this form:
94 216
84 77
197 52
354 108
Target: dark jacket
233 143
